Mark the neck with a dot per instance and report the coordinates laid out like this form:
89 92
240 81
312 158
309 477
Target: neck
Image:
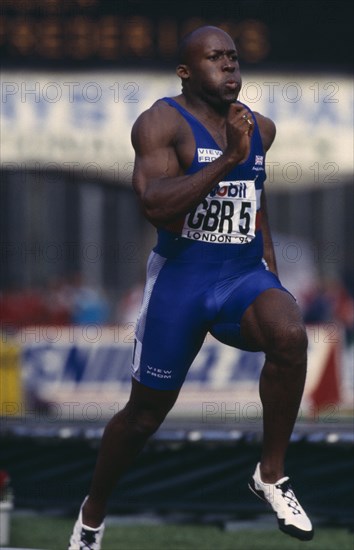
214 111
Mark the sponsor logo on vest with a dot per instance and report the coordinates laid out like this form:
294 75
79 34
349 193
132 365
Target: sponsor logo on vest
230 189
208 155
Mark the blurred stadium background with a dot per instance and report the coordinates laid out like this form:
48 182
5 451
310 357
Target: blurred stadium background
75 76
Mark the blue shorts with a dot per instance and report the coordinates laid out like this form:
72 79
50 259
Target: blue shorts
185 297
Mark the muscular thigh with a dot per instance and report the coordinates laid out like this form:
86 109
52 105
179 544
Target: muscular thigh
270 319
172 324
235 323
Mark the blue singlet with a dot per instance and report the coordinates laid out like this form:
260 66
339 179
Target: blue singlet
205 270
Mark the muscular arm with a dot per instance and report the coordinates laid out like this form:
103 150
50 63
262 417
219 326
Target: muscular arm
269 254
267 129
165 192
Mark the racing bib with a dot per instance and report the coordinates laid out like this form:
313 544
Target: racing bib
226 215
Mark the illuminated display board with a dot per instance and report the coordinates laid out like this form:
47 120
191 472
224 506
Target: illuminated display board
106 33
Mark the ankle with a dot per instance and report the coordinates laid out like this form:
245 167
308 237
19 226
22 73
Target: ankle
92 514
270 474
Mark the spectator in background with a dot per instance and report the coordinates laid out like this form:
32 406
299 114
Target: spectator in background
329 301
89 305
129 305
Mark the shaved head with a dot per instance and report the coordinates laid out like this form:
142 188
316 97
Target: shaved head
195 38
208 66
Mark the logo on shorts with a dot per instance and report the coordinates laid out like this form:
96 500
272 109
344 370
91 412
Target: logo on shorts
158 373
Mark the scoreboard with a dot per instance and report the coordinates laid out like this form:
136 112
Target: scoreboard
106 33
99 32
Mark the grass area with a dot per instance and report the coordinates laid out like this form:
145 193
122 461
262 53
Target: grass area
53 534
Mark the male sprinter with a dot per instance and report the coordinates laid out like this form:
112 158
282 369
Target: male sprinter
199 175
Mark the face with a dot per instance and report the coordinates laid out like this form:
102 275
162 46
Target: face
212 71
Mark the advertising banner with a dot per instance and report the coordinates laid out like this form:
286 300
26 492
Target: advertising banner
82 122
83 373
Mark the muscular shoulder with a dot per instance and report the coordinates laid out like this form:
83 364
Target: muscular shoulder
157 126
267 130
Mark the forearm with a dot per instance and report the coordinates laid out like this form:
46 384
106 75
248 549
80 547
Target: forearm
268 246
167 198
269 254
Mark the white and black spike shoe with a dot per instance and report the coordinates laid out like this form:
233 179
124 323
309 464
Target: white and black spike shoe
84 537
292 518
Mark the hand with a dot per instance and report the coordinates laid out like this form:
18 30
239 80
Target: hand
239 130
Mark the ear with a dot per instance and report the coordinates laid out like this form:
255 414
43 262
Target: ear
183 72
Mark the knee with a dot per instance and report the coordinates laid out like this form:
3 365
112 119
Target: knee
142 422
290 345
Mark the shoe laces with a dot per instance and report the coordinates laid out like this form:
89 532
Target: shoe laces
88 538
289 496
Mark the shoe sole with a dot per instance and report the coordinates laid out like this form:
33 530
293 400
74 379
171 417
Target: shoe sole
287 529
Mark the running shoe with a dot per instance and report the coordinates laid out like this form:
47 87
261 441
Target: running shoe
292 518
84 537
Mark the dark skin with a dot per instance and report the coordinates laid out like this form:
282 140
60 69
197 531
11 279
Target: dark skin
164 147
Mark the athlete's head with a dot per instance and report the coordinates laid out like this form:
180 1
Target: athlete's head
208 65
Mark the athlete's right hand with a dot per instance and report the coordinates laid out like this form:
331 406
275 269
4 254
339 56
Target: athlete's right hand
239 130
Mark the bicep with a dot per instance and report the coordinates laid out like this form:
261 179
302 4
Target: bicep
153 164
155 156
